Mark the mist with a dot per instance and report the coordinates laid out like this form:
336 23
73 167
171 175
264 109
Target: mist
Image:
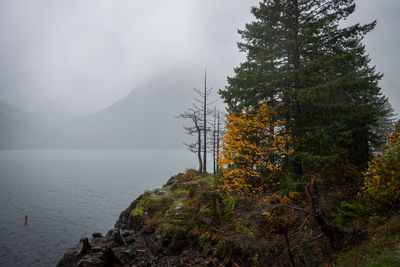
68 62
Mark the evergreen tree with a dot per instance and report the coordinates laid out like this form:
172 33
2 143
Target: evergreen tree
299 55
386 122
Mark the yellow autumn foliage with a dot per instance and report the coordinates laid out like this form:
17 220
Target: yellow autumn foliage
382 179
253 148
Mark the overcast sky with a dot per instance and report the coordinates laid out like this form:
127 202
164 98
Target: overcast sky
80 56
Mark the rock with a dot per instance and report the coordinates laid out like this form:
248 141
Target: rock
96 249
115 236
166 241
97 235
127 222
109 258
128 236
88 261
110 232
178 208
206 220
125 233
85 246
70 258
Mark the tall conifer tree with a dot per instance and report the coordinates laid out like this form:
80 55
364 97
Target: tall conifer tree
299 54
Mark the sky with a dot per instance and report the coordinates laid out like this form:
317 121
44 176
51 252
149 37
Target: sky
78 57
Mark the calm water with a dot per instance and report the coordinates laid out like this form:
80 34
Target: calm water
68 194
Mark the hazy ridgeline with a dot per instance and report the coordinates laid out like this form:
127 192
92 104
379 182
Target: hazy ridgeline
143 119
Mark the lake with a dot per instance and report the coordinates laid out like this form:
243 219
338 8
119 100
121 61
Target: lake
68 194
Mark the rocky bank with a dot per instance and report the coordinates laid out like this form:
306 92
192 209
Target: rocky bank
132 243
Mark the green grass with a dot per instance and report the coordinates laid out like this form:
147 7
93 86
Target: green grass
380 247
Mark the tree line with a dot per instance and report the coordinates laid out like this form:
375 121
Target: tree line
305 114
316 74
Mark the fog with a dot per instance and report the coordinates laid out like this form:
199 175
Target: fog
80 56
63 60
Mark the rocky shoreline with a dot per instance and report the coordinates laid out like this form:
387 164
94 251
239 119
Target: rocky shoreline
131 243
128 244
188 223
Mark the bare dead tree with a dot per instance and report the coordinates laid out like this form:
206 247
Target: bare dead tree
195 129
215 140
220 131
202 106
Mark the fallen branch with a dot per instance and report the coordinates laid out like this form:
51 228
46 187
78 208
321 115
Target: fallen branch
308 241
291 207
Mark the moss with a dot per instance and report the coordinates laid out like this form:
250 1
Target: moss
178 201
379 247
205 210
192 190
387 262
207 180
171 181
191 173
151 203
205 239
229 205
135 203
221 245
242 228
139 209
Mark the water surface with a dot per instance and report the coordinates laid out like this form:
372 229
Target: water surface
68 194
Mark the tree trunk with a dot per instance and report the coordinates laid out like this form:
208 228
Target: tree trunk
205 124
214 139
289 251
199 149
218 140
332 232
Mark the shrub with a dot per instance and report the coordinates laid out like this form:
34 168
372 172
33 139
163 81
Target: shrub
349 214
229 205
252 149
382 179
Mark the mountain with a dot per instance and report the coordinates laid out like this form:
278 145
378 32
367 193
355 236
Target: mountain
143 119
19 130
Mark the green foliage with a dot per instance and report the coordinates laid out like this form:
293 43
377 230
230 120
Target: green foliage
139 209
386 122
151 204
210 201
350 214
387 262
242 228
190 173
204 238
192 190
377 247
289 184
299 55
229 205
382 179
307 247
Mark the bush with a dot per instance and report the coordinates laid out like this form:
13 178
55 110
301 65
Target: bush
251 148
382 179
350 214
151 205
229 206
